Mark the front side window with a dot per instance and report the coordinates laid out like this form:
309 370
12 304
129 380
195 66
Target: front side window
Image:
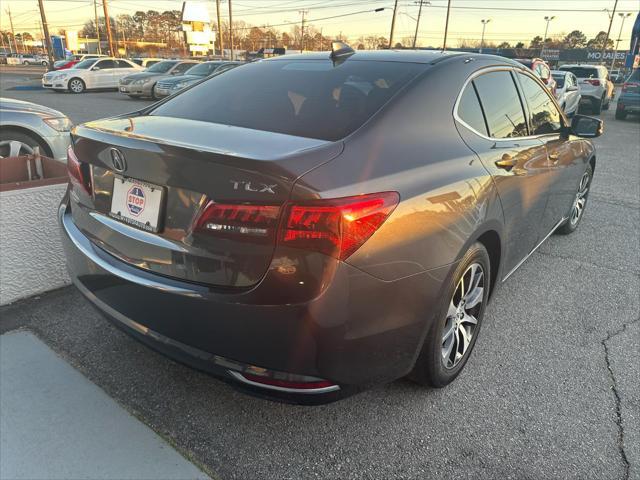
162 67
306 98
501 104
469 110
544 116
124 64
85 64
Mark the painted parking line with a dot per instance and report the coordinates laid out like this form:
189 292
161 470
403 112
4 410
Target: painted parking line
56 424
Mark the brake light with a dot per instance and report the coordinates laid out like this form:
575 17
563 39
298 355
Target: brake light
337 227
238 221
593 81
79 172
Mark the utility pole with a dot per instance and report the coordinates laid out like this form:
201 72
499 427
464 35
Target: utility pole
303 13
219 28
415 37
624 16
95 12
393 24
484 26
230 30
546 30
47 39
604 45
124 40
107 22
13 32
446 26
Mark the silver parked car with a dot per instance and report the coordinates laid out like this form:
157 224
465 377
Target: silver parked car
567 91
142 84
25 126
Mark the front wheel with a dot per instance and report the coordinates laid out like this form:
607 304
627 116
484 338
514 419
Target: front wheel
579 204
76 85
455 329
596 105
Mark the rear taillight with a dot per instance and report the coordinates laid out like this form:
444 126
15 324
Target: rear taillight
593 81
238 221
79 172
335 227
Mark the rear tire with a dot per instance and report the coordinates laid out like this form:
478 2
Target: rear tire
596 106
446 348
606 105
621 114
153 92
579 204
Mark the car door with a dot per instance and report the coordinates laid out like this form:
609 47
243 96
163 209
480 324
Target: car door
101 74
546 122
517 162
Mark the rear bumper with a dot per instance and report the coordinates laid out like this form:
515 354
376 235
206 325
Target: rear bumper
359 332
629 103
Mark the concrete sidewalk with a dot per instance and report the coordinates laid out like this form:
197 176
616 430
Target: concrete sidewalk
56 424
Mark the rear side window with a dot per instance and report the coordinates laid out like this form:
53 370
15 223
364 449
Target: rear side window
545 117
306 98
469 110
560 80
501 104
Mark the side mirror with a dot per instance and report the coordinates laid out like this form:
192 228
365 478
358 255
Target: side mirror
572 88
586 127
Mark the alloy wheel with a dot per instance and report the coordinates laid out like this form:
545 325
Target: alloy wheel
76 86
581 199
462 316
15 148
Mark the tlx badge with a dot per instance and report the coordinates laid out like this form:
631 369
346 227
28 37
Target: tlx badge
253 187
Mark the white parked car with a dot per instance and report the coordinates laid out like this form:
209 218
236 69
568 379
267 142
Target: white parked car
89 74
594 84
567 91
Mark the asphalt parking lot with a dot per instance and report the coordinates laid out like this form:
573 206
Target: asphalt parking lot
551 390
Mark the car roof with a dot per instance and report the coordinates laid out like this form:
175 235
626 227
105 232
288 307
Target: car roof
409 56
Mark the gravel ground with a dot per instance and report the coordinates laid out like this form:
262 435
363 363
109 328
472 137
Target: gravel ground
551 390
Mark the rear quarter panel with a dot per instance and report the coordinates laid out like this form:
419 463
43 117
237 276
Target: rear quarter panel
412 146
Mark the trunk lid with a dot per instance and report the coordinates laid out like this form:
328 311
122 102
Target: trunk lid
194 163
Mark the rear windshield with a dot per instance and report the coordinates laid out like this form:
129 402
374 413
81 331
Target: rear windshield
559 78
582 72
306 98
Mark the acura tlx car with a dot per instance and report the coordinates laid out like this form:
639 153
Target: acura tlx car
308 226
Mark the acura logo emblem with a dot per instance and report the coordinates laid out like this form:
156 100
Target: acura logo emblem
117 160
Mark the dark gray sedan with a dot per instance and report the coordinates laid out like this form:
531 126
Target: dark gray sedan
308 226
171 85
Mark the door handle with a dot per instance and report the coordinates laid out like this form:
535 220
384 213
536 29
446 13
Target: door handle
507 162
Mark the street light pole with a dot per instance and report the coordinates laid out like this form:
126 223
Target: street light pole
604 45
107 22
415 37
624 16
484 25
